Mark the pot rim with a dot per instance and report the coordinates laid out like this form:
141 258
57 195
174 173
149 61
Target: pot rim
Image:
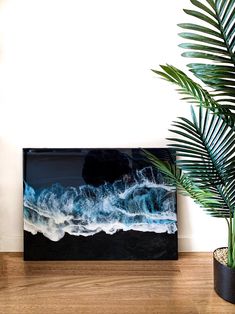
219 248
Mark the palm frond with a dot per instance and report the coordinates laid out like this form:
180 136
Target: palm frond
194 93
206 146
207 199
214 42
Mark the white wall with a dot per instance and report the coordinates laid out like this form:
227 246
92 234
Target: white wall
77 74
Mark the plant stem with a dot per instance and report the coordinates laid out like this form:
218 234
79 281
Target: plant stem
233 242
230 242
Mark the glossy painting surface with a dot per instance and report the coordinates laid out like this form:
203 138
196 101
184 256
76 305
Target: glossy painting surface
97 204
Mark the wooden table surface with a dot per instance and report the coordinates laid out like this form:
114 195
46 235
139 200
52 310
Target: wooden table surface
107 287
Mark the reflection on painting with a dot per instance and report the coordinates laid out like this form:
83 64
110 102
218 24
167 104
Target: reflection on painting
97 204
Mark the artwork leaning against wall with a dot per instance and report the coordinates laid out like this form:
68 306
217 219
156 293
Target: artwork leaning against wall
98 204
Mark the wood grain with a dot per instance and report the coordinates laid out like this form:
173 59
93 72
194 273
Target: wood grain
183 286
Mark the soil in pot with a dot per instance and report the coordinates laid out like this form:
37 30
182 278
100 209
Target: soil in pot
222 255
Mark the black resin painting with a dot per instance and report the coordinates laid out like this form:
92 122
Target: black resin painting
97 204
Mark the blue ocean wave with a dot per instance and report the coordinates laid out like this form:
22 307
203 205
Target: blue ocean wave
135 202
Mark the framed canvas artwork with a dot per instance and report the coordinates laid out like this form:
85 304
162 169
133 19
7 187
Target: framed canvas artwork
97 204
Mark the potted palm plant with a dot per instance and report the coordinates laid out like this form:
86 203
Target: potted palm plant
205 144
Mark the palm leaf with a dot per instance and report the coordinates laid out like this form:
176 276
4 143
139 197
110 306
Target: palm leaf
210 163
205 198
214 42
194 93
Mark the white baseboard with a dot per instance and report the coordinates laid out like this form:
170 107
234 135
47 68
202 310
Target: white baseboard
200 243
189 244
11 244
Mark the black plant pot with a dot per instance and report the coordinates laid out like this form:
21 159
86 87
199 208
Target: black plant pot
224 281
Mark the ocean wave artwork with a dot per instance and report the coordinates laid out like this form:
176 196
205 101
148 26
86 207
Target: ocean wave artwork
134 202
98 204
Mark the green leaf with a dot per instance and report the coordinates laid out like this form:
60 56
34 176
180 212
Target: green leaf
203 39
211 165
203 7
204 48
199 28
194 92
201 55
205 198
202 17
218 41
